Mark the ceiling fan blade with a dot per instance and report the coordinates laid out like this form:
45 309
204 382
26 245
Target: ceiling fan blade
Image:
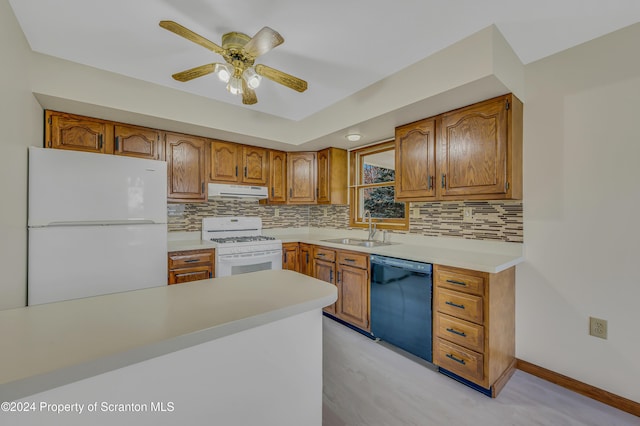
264 40
194 72
248 95
281 77
178 29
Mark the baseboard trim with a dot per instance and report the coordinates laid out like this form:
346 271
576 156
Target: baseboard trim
577 386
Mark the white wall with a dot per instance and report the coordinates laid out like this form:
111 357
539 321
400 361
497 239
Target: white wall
581 206
20 126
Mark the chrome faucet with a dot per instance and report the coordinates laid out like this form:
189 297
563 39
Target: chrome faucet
372 226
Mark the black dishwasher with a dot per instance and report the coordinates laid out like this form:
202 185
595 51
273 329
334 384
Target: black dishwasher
401 304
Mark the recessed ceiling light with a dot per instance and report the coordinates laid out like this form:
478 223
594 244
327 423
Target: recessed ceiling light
353 137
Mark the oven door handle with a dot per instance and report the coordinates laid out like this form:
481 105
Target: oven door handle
254 254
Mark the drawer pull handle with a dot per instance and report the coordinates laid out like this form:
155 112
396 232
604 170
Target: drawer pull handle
455 305
457 282
321 254
192 261
349 260
454 331
456 359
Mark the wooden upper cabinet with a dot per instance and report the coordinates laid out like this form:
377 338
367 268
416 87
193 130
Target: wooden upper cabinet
186 168
141 142
235 163
416 160
301 177
277 177
255 165
78 133
332 176
481 150
225 161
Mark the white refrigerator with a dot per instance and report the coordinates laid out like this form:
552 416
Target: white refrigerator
97 224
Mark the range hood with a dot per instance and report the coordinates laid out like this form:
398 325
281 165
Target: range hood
219 190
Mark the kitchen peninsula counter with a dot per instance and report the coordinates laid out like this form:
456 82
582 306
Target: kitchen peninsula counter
51 345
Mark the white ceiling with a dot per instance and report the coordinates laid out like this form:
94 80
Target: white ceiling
340 47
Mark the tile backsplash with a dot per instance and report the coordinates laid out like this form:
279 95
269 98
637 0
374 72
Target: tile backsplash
491 220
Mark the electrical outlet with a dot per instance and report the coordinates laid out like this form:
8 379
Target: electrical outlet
416 212
326 211
276 212
598 327
467 214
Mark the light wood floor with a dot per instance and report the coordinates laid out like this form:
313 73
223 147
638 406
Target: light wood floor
368 384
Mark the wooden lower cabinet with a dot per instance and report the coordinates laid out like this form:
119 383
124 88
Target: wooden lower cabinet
277 177
291 256
349 271
474 325
191 265
324 268
352 305
306 259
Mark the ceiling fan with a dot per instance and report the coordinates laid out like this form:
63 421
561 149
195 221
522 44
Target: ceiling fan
240 52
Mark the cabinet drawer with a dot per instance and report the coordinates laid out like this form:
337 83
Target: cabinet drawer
458 360
460 305
182 259
357 260
190 274
459 280
458 331
324 254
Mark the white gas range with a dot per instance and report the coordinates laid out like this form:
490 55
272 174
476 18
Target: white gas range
240 245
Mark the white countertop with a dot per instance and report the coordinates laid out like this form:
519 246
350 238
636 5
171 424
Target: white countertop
49 345
182 245
479 255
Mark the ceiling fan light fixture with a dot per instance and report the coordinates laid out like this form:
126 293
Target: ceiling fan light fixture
224 72
252 78
235 86
353 137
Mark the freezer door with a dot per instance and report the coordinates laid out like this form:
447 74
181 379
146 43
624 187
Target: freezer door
71 186
82 261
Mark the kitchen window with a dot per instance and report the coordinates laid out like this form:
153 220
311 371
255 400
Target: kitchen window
372 188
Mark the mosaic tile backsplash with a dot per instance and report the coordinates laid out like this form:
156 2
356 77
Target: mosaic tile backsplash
492 220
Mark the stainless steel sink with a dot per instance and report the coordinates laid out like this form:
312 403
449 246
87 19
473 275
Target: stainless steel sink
357 242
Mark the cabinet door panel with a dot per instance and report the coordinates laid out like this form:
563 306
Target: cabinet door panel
325 271
185 168
137 142
415 160
306 258
474 150
301 170
255 165
77 133
290 257
225 161
324 194
277 177
352 304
